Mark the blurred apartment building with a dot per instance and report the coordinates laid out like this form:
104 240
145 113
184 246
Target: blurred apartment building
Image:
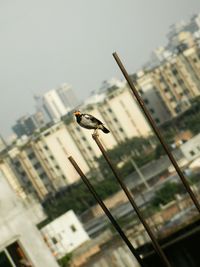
118 110
39 163
27 124
56 103
168 88
50 107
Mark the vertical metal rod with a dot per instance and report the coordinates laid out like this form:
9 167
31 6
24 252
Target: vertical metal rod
107 212
156 245
157 131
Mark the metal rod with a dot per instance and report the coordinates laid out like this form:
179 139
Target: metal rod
156 245
157 131
107 212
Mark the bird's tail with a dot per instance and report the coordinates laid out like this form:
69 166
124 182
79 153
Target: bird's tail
104 129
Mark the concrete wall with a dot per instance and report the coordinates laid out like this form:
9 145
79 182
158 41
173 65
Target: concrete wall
16 225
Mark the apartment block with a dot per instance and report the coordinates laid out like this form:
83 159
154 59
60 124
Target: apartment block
177 80
41 162
53 146
148 90
8 171
168 88
118 110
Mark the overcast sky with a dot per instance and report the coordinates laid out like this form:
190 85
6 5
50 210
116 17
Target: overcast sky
44 43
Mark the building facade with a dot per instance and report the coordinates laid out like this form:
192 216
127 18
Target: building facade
67 96
168 88
21 242
64 234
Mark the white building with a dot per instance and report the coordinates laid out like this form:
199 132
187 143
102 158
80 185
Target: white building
191 149
2 144
56 102
20 240
149 93
64 234
67 96
51 104
120 113
54 146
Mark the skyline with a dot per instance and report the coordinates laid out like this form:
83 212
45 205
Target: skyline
38 56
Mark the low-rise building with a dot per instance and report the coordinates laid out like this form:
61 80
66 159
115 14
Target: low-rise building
191 148
64 234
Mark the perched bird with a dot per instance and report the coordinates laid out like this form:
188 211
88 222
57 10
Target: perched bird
90 122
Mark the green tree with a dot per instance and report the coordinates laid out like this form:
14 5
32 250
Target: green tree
167 193
65 261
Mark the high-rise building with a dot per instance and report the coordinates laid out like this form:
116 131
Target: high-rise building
56 103
25 125
148 90
169 86
3 144
51 104
67 96
41 162
118 110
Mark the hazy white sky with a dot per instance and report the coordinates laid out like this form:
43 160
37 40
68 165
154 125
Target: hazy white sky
44 43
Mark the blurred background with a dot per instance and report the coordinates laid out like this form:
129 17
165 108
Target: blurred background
57 57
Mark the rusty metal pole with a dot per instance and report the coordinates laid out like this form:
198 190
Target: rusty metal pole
157 131
107 212
156 245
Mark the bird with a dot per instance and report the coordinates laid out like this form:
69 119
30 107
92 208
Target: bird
89 122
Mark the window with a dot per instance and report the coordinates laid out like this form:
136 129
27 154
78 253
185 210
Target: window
174 71
43 175
152 110
14 256
31 156
37 165
166 89
47 133
180 81
121 130
73 228
172 99
4 261
157 120
146 101
192 153
54 240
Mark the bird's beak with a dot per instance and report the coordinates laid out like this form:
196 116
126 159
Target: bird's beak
77 112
